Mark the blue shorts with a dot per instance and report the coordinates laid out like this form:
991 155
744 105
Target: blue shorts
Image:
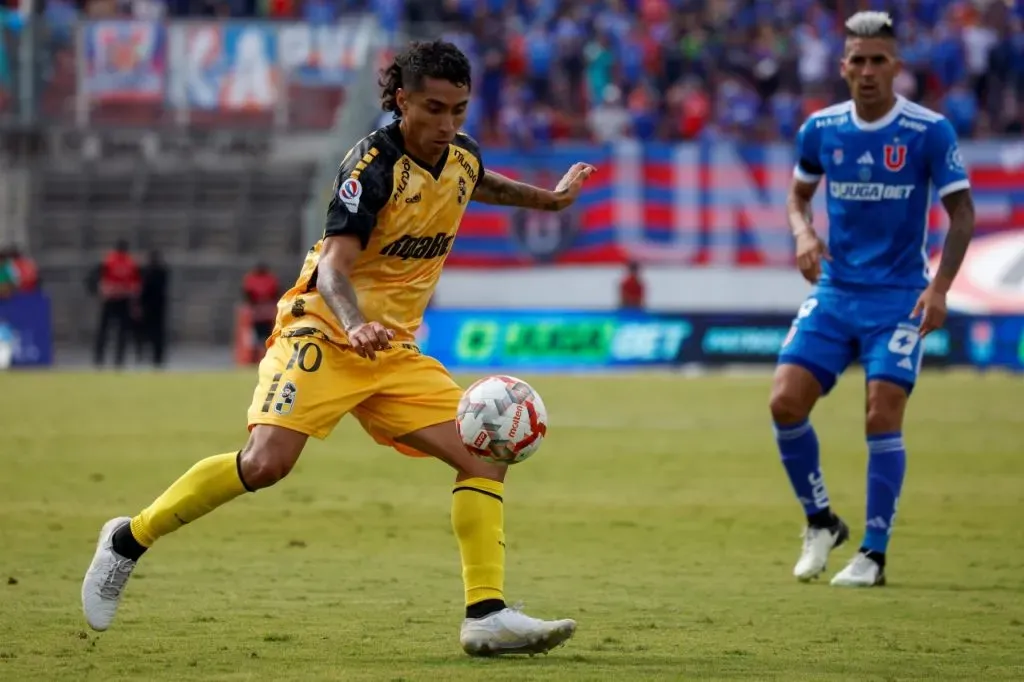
836 326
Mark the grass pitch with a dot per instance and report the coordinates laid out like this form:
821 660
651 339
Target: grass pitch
657 514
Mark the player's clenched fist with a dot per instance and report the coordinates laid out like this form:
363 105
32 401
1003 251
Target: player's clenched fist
809 252
369 337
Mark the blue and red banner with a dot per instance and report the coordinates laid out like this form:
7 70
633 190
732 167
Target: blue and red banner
227 66
124 60
689 204
219 67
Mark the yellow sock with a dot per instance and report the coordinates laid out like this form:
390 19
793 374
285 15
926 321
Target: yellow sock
206 486
478 520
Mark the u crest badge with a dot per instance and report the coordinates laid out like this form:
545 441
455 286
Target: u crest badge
895 157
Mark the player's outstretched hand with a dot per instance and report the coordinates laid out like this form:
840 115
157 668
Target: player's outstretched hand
370 337
810 250
931 306
568 188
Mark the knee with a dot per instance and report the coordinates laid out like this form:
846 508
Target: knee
787 407
883 418
885 408
262 464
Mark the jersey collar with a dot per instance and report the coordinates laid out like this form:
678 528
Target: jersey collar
896 110
395 131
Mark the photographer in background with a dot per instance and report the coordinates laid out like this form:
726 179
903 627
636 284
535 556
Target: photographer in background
261 290
151 311
117 281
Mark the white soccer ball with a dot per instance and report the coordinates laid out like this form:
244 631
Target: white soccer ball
501 419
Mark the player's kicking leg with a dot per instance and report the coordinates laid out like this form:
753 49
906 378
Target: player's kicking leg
490 627
794 393
267 458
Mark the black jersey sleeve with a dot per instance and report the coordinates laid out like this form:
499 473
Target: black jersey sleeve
466 142
361 190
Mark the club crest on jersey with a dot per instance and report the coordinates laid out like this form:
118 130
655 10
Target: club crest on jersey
287 398
462 190
954 159
837 156
349 193
895 157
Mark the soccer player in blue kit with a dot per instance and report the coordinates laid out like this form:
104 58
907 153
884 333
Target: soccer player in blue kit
874 301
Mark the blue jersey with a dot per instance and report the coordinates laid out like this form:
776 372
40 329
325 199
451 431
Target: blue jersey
879 182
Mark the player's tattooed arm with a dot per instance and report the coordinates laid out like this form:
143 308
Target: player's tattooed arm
340 296
960 207
495 188
337 259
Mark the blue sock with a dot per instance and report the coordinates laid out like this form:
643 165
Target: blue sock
887 462
798 445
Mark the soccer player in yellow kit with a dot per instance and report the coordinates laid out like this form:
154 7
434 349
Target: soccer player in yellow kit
344 342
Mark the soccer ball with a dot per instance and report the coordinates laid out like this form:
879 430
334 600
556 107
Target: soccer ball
501 419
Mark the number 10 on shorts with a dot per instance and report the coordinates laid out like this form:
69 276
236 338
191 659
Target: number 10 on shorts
308 358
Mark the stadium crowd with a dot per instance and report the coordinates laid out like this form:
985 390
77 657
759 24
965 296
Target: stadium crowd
675 69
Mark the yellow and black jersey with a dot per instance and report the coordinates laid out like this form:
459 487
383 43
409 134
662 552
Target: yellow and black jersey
405 214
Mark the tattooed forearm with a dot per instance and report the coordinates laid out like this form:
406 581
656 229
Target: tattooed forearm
495 188
960 207
338 293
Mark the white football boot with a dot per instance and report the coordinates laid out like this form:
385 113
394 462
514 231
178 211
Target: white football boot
860 572
106 578
818 544
510 631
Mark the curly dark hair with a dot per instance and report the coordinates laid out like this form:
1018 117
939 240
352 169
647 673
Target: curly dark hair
435 59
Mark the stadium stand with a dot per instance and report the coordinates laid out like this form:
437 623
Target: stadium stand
546 71
211 224
751 70
209 187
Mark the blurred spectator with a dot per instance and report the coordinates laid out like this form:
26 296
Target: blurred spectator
546 70
261 291
18 272
609 121
152 308
708 69
631 289
960 105
117 281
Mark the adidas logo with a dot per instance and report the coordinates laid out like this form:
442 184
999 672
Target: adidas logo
906 364
866 159
877 522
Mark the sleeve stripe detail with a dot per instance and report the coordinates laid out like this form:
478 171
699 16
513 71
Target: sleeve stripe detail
803 176
954 186
367 159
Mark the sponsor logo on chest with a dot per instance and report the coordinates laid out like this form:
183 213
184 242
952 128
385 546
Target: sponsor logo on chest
868 191
419 248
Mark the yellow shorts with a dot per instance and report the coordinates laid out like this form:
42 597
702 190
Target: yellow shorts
307 384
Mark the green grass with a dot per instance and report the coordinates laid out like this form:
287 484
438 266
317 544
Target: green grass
657 514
